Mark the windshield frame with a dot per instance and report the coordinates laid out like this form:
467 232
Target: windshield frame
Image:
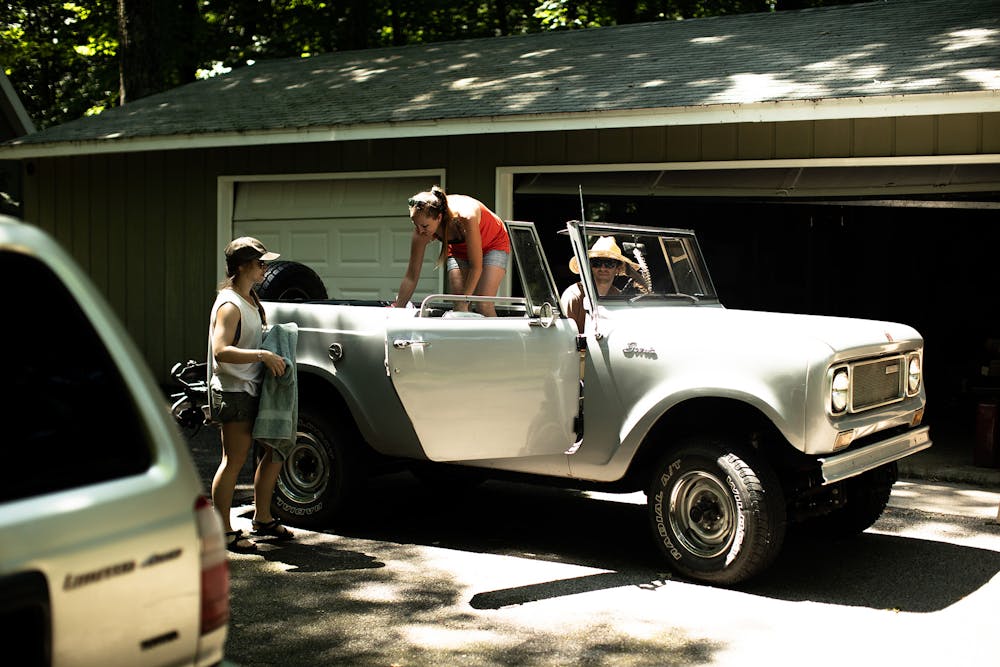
676 266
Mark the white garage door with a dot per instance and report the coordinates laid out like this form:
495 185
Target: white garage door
355 233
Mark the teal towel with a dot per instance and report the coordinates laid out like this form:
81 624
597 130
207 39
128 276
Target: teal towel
278 414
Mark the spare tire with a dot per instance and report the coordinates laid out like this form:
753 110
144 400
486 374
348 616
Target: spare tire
291 281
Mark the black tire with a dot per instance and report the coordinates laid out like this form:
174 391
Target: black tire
864 499
320 474
291 281
716 512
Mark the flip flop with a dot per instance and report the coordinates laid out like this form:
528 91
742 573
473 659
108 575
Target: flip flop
273 529
237 542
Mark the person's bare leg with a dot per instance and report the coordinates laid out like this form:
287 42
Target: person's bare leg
456 285
489 283
236 439
264 480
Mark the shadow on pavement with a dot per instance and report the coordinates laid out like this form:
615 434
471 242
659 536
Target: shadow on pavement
567 526
878 571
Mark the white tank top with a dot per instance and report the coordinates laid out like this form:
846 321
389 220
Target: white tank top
237 377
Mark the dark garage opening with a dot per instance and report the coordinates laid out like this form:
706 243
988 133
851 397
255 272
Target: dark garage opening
928 263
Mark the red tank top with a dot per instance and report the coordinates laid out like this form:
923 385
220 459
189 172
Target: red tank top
492 232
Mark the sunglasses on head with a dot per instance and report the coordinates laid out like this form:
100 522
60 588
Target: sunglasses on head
420 203
600 263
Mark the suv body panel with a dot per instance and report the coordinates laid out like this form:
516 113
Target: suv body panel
123 558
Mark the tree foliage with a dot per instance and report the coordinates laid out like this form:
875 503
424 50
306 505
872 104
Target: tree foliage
69 59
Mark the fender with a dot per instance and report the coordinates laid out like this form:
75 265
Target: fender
388 432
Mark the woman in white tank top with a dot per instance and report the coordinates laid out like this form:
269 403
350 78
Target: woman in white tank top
235 333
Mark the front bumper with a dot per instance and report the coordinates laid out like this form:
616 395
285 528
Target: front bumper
841 466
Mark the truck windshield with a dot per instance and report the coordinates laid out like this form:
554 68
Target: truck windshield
644 266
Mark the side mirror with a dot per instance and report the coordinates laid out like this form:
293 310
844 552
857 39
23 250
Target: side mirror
545 315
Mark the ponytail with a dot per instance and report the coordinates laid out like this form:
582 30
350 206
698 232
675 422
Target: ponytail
260 307
446 216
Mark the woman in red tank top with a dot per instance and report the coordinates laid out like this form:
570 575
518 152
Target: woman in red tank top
474 246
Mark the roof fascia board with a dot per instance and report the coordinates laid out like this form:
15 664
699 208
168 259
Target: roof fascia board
798 110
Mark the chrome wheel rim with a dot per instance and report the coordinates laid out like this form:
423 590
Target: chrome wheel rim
306 471
703 514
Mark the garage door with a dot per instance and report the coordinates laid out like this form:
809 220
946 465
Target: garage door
355 233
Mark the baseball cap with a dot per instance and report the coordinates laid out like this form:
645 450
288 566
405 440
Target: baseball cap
247 248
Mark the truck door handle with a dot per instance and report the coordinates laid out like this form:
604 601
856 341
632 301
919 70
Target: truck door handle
402 343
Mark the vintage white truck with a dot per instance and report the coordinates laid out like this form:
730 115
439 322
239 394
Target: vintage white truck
735 424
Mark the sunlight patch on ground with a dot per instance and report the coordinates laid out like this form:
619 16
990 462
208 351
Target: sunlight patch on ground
946 499
636 498
440 637
374 592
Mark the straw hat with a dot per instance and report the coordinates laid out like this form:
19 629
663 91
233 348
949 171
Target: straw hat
605 246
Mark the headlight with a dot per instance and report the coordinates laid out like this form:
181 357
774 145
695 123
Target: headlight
913 374
840 389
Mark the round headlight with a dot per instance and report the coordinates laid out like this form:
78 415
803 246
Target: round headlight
839 390
913 375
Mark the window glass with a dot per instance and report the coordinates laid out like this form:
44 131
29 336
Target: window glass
68 418
535 279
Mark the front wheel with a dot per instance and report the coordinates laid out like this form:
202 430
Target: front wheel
320 474
717 512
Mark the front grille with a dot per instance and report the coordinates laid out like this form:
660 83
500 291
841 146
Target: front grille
877 382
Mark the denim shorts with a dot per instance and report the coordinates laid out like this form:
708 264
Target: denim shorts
490 258
234 406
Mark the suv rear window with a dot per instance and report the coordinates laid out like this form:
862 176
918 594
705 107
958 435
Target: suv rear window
69 420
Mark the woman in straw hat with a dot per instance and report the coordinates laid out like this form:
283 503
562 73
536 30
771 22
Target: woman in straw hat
606 262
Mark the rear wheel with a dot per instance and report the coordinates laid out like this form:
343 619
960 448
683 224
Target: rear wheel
716 512
320 474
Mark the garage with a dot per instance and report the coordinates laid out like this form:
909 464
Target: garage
354 232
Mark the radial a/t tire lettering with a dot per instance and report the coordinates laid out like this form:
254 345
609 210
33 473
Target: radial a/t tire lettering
320 474
716 512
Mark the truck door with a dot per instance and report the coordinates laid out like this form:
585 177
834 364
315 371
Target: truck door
491 387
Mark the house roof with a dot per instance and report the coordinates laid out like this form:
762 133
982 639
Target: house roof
890 57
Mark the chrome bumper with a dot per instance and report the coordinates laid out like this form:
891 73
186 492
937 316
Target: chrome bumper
849 464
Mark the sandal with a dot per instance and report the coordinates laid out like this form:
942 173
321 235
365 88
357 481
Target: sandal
237 542
273 529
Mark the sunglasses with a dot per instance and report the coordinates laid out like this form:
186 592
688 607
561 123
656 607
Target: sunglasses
605 263
420 203
261 263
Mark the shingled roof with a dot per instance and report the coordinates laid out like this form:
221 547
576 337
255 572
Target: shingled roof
829 62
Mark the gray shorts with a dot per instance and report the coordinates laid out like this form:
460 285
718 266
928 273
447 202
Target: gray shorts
234 406
492 258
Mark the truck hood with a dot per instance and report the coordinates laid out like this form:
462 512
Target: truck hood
714 323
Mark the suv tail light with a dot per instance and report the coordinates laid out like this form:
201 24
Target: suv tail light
214 567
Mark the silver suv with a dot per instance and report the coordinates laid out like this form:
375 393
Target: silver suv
111 553
736 424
